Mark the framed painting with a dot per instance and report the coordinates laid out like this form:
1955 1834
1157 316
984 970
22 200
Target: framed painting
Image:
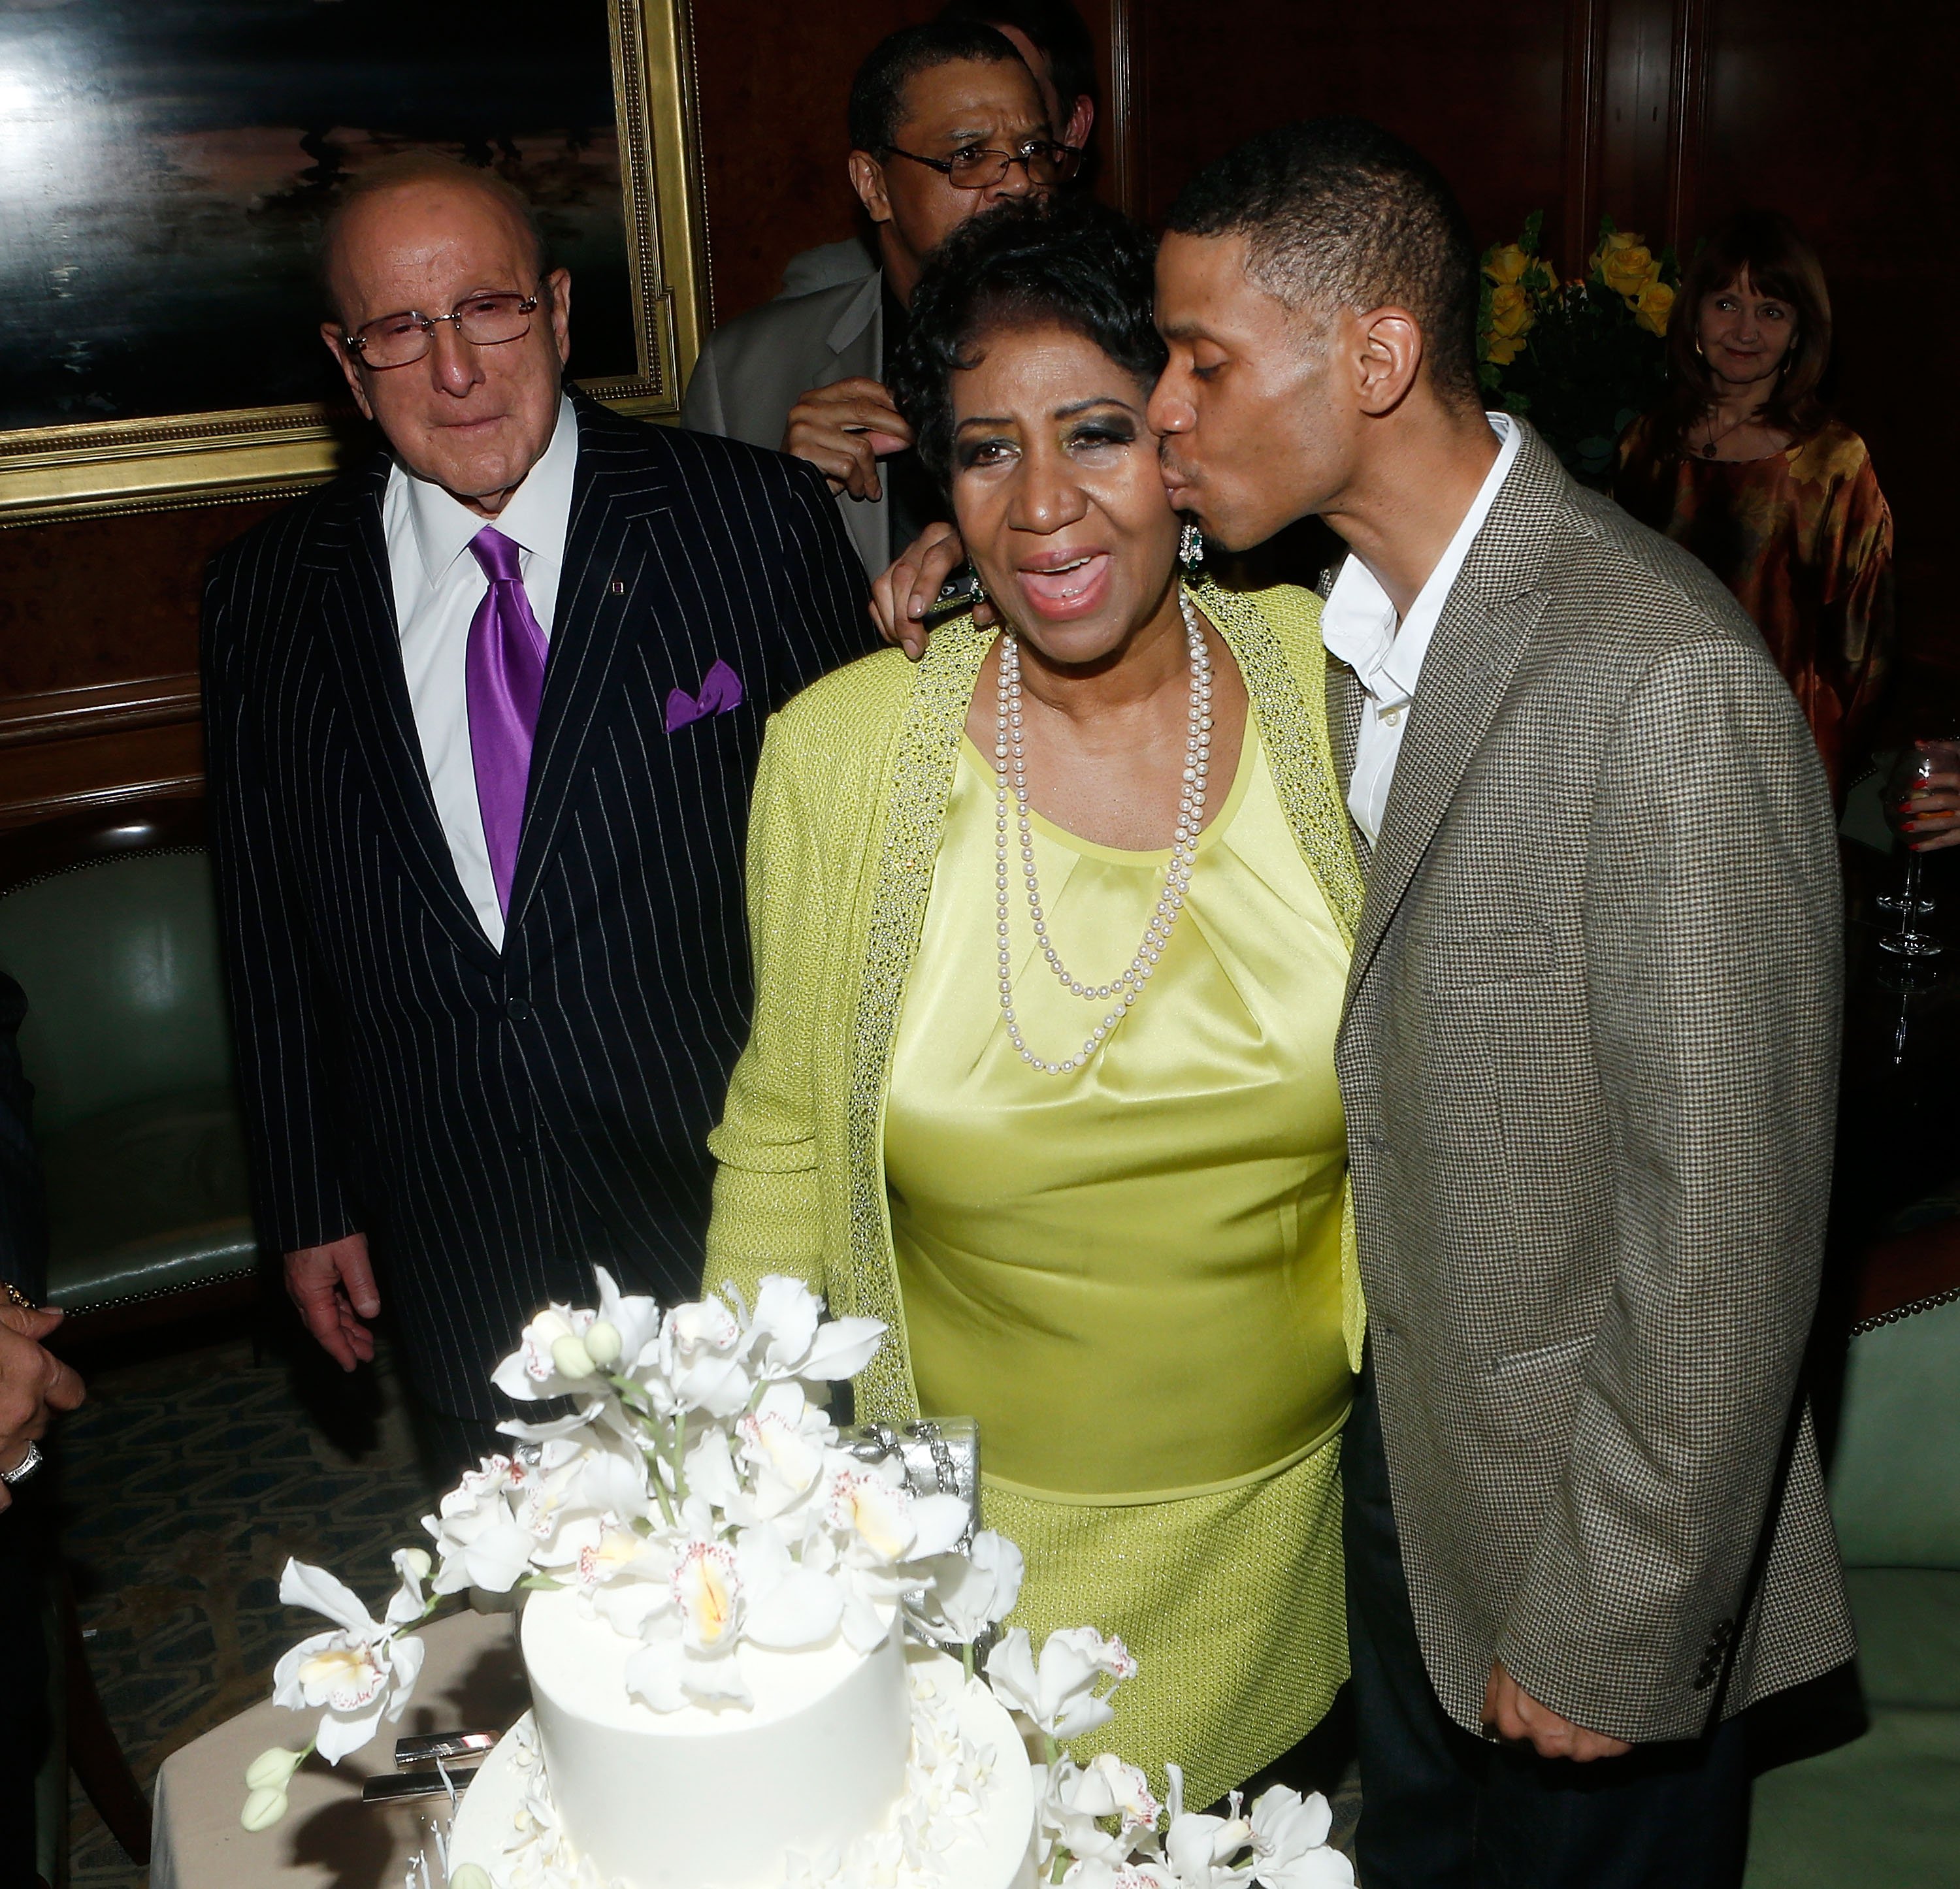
165 169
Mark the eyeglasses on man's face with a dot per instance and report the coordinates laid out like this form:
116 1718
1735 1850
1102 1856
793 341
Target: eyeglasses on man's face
980 167
485 321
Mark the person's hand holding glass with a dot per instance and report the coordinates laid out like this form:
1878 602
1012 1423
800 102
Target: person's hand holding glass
1923 800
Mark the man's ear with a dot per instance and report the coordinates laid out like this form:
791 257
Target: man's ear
1388 357
1081 122
343 359
559 283
868 179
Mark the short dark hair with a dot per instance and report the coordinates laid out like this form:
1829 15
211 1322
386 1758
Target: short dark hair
1069 260
1053 28
878 92
1338 213
1780 264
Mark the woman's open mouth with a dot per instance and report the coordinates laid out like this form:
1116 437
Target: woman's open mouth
1067 589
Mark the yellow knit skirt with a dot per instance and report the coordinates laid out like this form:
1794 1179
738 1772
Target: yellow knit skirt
1233 1604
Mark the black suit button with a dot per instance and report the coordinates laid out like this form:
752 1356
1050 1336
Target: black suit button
517 1008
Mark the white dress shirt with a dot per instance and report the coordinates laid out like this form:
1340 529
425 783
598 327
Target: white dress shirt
438 587
1358 625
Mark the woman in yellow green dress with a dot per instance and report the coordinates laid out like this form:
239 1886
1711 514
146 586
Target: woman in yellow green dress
1052 934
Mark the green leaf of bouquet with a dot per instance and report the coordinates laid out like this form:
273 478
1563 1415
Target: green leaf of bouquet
1534 230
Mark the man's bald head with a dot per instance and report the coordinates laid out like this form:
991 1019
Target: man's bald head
418 172
423 236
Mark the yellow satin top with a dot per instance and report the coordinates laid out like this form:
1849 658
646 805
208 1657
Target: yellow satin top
1129 1274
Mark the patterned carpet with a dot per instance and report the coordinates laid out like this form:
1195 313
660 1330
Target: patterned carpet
187 1480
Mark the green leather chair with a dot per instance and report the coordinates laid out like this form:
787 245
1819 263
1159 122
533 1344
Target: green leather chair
107 921
1886 1809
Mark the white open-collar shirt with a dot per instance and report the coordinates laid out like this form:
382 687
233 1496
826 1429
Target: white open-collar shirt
1358 625
438 587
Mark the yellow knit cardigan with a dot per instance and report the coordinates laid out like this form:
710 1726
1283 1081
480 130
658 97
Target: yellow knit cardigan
850 797
1244 1642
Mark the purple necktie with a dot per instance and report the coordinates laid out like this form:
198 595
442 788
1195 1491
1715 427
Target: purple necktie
504 677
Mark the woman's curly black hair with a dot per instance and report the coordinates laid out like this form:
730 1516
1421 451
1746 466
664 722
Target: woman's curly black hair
1070 261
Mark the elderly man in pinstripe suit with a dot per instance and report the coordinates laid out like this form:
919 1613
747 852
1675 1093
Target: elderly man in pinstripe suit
482 718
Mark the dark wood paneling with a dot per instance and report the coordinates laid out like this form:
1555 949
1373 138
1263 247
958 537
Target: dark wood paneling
98 656
1480 89
774 81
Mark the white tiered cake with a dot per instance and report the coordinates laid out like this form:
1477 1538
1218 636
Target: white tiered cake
824 1762
717 1586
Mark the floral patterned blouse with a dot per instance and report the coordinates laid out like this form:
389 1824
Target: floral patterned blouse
1804 539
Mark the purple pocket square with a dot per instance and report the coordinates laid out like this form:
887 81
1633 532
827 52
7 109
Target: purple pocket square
720 691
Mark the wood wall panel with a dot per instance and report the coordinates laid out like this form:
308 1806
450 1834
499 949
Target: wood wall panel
98 656
1480 89
774 81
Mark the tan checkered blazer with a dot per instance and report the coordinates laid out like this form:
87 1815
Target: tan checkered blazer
1590 1064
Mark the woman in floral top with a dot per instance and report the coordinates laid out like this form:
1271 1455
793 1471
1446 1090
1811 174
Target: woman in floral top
1742 466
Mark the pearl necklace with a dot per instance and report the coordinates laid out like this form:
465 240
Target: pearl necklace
1128 985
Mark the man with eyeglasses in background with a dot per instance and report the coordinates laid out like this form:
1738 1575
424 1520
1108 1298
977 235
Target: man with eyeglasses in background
482 719
946 120
1051 36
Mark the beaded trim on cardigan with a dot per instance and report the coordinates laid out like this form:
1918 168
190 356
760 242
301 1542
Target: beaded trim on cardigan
1291 710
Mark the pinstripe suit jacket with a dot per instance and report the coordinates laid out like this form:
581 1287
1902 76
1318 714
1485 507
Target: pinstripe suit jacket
1588 1060
492 1121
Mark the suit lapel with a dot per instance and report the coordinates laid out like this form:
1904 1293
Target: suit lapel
607 570
1485 626
364 639
857 344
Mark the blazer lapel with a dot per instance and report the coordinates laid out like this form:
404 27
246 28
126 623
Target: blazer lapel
857 344
365 639
607 570
1486 625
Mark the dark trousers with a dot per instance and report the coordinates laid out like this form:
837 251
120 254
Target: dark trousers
1442 1808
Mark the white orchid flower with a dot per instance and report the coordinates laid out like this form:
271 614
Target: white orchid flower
479 1541
699 1365
1060 1695
553 1430
784 1440
624 1327
1076 1802
785 1605
667 1673
360 1673
881 1522
1289 1845
968 1593
551 1359
1196 1845
795 1343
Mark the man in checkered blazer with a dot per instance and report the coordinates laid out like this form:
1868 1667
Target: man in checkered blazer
1589 1058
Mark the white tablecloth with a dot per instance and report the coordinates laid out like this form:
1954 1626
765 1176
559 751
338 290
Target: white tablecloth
329 1839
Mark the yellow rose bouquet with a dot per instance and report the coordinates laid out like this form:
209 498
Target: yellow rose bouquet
1583 358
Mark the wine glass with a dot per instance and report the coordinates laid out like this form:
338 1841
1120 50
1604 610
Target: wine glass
1914 767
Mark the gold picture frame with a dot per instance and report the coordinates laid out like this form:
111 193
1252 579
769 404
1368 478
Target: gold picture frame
99 468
